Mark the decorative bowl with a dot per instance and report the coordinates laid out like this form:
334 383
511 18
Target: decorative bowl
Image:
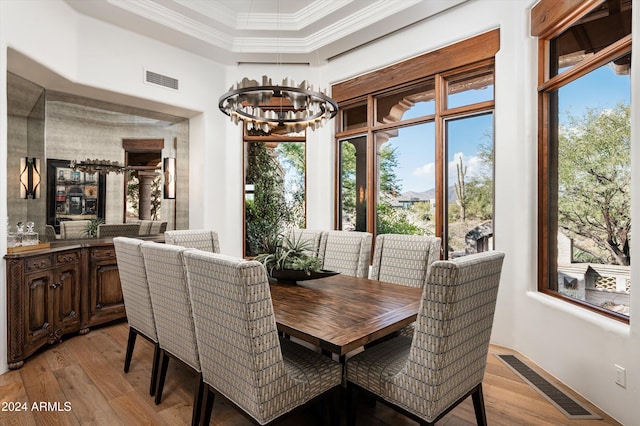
291 276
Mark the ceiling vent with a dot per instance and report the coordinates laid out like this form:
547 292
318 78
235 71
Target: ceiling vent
161 80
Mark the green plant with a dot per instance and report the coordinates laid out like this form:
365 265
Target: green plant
281 252
92 227
277 175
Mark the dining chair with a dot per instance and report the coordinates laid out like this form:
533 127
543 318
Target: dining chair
137 301
309 237
427 376
118 230
157 227
145 226
347 252
172 312
152 227
243 358
70 229
404 259
201 239
50 233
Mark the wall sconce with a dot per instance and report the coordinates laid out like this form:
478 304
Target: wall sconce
29 178
169 164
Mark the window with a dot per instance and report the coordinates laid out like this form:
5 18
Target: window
395 166
584 161
406 180
353 184
275 186
469 198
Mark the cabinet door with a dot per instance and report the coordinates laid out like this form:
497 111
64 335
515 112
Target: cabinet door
38 313
67 298
106 302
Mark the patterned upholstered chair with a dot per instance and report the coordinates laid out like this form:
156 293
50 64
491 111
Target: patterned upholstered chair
145 226
242 357
347 252
157 227
201 239
118 230
137 301
70 229
404 259
152 227
445 362
172 311
50 233
309 237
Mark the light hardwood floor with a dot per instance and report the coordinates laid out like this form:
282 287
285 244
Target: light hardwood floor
84 375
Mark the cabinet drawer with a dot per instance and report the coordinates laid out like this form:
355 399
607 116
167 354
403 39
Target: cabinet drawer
66 258
103 253
40 262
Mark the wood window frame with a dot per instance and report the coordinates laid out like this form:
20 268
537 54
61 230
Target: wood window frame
466 56
549 18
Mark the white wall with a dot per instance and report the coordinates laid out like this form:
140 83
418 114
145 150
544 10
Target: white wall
80 55
578 347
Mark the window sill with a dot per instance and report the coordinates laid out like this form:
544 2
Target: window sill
581 310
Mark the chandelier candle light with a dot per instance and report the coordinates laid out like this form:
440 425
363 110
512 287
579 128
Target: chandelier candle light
97 166
267 106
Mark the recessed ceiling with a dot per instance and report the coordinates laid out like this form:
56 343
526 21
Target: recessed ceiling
264 31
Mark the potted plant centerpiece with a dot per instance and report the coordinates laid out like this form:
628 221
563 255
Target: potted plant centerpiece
286 259
92 227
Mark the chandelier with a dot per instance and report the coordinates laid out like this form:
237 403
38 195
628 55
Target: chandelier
267 106
96 166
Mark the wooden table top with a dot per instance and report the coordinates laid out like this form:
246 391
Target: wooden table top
342 313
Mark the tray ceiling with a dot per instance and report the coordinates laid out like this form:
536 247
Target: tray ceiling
263 31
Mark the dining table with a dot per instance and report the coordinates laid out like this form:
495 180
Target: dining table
341 313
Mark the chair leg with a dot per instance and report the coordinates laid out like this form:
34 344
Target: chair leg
478 406
352 396
154 369
163 374
197 402
208 406
131 342
335 405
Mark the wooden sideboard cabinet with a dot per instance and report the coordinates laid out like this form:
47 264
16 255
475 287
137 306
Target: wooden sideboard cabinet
65 289
43 298
104 300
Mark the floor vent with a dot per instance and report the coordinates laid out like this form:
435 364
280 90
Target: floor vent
563 402
161 80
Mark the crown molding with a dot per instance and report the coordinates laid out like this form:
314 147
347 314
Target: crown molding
306 16
153 11
272 21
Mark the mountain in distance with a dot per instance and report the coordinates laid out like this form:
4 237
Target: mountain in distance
429 194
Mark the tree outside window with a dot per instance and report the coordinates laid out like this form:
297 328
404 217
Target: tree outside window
585 151
274 190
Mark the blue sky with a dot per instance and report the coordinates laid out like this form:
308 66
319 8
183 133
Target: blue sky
416 150
416 145
601 88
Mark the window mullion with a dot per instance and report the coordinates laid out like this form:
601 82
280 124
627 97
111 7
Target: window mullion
372 180
441 105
